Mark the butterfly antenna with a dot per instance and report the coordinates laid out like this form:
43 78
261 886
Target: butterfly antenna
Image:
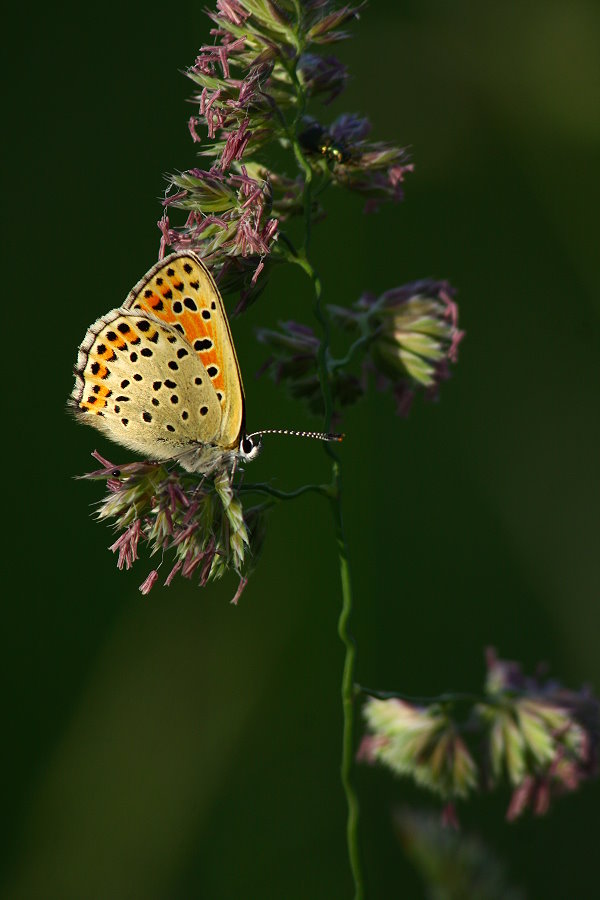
318 435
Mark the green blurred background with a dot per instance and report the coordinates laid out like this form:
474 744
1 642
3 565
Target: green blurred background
174 746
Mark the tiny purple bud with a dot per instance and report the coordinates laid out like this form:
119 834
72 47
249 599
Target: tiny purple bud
101 459
235 145
232 11
257 272
149 583
127 545
192 122
173 573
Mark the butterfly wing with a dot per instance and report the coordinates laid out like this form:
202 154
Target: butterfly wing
180 292
141 383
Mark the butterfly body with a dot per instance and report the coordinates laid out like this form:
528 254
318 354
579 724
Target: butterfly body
160 375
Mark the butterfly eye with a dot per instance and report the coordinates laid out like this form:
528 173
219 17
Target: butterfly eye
249 448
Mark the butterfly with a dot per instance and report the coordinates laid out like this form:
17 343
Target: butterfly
160 374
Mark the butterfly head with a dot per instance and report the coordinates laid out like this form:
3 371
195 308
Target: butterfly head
250 446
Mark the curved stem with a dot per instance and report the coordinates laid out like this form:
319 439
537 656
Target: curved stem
300 257
360 342
347 686
285 495
347 690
